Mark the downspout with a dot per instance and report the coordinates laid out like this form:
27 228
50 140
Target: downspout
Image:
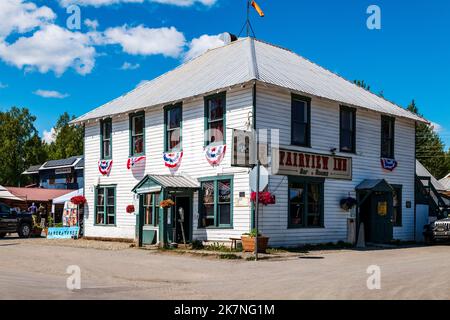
414 183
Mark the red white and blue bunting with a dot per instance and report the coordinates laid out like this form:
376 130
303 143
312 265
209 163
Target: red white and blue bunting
133 161
389 164
214 155
172 160
104 167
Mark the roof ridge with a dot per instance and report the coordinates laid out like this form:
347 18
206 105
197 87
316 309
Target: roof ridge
253 63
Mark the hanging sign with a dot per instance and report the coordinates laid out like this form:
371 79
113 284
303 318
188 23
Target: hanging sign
214 155
172 160
63 233
133 161
104 167
297 163
389 164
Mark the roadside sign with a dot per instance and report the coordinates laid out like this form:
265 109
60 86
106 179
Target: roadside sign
263 179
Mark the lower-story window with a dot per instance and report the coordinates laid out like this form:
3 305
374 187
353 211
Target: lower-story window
306 197
151 209
216 203
105 205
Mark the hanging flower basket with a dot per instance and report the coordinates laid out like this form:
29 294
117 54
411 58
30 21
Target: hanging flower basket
265 198
78 200
348 203
165 204
130 209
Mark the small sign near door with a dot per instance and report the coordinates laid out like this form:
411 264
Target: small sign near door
382 208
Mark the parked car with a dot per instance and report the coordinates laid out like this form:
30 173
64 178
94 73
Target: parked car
437 231
14 221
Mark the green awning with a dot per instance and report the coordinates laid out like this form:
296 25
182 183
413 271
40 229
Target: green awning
379 185
155 183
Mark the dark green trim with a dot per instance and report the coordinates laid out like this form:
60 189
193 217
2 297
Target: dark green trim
400 199
102 122
222 95
387 118
307 181
215 180
353 112
105 213
308 125
166 109
131 148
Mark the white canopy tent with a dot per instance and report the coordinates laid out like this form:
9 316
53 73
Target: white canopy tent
63 199
5 194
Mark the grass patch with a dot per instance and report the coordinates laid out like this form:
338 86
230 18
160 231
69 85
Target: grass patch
229 256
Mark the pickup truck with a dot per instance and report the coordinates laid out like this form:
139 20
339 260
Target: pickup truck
437 231
12 221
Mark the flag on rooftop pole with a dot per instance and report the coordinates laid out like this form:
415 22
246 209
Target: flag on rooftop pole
257 8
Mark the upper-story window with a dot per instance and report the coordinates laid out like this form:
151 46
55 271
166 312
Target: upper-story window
215 116
173 119
347 129
106 139
387 137
137 124
301 121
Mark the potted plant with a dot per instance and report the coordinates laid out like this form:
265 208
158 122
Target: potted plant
348 203
248 242
130 209
165 204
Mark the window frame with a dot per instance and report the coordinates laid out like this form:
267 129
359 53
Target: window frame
391 121
155 209
307 182
132 135
222 95
307 100
102 140
215 181
166 119
343 109
398 187
105 213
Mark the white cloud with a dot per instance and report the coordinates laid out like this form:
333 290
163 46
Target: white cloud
91 24
49 136
146 41
51 48
99 3
436 127
3 85
130 66
21 16
50 94
200 45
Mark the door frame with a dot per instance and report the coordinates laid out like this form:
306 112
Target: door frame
190 196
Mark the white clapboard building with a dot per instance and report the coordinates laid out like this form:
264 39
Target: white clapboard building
172 139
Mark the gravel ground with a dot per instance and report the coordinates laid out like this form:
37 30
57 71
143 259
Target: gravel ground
36 269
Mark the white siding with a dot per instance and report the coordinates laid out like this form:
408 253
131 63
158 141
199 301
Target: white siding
194 164
274 112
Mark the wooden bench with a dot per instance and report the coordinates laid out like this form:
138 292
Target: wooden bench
234 243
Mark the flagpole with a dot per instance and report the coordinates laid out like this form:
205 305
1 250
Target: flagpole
248 18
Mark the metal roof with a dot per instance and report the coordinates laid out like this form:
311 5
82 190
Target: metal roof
168 181
445 182
421 171
375 185
240 62
69 162
32 169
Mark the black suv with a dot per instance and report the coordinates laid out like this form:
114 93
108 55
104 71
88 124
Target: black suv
12 221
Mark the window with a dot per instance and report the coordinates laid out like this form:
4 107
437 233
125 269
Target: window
173 122
397 204
216 203
52 181
215 114
137 124
300 121
106 139
151 209
305 203
348 129
387 137
105 206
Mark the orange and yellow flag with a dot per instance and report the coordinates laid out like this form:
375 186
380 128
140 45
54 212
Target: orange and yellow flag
257 8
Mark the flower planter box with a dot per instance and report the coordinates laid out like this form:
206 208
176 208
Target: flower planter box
248 244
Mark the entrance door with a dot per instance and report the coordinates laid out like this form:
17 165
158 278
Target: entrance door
148 218
183 219
382 207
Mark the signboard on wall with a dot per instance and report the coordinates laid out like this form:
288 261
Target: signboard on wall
298 163
63 170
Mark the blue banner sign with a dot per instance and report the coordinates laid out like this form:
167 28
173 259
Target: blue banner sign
63 233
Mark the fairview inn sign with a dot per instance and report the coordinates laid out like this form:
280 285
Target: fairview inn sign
288 162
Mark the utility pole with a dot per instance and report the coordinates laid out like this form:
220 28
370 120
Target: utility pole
258 174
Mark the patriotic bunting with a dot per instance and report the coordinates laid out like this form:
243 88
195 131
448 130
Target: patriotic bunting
389 164
133 161
104 166
214 155
172 160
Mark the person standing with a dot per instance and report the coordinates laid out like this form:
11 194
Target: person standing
32 209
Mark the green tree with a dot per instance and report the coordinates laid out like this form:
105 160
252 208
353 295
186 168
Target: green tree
362 84
68 139
20 145
430 150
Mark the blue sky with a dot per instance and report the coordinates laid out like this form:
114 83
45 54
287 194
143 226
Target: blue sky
409 58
